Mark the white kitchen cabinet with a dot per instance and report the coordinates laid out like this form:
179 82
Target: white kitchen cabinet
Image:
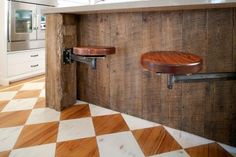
17 65
24 64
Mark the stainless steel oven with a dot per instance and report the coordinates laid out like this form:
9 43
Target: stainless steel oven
26 25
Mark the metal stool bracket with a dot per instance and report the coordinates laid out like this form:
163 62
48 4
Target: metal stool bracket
199 77
69 58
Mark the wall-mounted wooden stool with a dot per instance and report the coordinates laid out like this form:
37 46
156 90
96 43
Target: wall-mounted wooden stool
180 67
88 55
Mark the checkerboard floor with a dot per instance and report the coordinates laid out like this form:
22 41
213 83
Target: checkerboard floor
29 129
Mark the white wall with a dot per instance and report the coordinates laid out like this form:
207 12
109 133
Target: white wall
3 40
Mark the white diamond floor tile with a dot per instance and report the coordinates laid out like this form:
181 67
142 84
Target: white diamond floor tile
7 95
121 144
187 140
75 129
8 137
178 153
33 86
42 93
135 123
20 104
43 115
100 111
230 149
47 150
79 102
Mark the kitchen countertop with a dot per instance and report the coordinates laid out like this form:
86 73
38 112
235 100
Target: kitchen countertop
144 5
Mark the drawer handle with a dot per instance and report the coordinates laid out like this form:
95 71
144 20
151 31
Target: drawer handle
34 55
32 66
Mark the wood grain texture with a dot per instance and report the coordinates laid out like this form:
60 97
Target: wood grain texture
220 97
76 111
60 78
88 36
171 39
120 83
16 118
125 74
37 134
208 150
86 147
5 154
171 62
151 83
155 140
194 41
103 65
109 124
233 127
93 51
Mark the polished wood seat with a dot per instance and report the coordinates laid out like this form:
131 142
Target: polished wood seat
171 62
93 51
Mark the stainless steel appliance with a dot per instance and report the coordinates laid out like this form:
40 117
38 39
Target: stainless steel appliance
26 25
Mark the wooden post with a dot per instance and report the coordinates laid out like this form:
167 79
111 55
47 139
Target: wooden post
60 78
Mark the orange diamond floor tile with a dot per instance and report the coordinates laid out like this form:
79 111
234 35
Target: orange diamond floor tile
41 103
27 94
109 124
77 111
155 140
86 147
3 104
208 150
5 154
15 118
37 134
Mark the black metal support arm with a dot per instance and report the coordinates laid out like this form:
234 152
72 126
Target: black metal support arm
69 57
171 78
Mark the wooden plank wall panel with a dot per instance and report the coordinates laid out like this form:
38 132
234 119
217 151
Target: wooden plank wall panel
68 73
233 127
194 31
117 65
60 78
89 38
82 69
219 59
103 65
171 102
133 72
193 107
56 82
219 55
151 82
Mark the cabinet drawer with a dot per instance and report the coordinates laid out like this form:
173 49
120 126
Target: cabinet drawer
37 65
22 57
26 67
18 69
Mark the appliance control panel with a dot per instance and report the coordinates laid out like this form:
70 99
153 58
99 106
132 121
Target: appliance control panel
42 26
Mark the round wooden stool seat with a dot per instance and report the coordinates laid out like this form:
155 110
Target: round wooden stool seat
93 51
171 62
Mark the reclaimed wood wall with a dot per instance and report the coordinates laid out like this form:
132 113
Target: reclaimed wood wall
61 33
119 82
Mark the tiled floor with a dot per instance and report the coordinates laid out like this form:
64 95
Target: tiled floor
28 129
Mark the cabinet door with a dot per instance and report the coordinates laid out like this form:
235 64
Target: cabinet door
23 23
